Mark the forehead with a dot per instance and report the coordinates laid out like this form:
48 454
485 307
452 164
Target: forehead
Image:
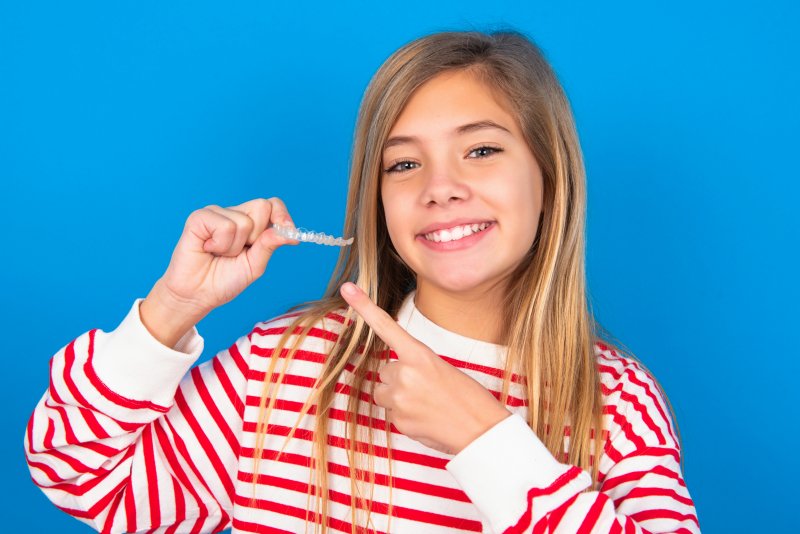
449 100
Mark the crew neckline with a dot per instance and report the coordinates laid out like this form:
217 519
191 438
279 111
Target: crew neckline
446 342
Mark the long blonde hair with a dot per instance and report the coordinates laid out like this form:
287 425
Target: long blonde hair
550 330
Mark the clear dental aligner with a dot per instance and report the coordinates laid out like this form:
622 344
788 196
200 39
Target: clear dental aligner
301 234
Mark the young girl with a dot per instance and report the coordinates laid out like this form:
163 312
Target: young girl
451 378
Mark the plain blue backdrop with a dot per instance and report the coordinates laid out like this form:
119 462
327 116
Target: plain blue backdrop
119 119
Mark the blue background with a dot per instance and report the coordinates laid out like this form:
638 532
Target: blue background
117 121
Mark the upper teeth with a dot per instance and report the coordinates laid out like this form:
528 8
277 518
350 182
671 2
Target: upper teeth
455 233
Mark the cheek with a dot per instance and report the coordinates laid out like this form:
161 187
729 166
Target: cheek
524 200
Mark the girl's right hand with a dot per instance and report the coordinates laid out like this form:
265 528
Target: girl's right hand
219 254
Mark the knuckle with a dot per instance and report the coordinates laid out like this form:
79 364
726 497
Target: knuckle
196 216
227 226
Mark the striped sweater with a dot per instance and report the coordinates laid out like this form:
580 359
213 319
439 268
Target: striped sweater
127 438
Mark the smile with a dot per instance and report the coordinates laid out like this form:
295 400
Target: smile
456 233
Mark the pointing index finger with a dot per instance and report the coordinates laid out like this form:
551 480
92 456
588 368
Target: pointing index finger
381 322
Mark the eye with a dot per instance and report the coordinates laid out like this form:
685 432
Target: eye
485 151
401 166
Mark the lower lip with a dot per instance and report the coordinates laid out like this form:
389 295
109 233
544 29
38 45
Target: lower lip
459 244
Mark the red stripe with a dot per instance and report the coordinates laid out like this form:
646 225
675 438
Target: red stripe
101 448
318 333
256 527
180 478
112 513
485 369
148 451
204 442
657 401
541 526
343 443
381 479
222 525
71 439
75 464
638 475
525 520
69 360
227 385
130 508
98 506
638 406
662 513
180 507
69 435
293 511
211 405
309 382
87 415
238 359
644 492
335 413
555 517
625 426
590 520
80 489
302 355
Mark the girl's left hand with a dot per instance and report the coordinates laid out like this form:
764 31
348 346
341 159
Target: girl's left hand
426 398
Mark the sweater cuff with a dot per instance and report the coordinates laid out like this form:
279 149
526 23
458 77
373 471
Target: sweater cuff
135 365
499 469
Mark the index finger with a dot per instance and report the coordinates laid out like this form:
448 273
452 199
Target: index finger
381 322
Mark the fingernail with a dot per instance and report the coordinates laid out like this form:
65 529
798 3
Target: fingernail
349 288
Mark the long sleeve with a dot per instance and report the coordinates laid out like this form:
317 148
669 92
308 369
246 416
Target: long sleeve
126 440
519 486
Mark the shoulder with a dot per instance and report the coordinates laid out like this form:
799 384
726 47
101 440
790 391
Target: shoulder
319 333
634 406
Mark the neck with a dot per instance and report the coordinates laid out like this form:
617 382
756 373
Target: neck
476 314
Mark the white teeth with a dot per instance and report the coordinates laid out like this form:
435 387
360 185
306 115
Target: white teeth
455 233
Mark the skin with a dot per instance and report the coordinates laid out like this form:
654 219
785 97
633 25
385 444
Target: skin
433 174
439 176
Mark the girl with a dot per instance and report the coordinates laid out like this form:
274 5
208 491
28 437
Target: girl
450 379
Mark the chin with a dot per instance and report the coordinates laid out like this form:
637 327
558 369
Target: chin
461 282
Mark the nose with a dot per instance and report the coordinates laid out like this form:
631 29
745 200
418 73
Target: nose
442 185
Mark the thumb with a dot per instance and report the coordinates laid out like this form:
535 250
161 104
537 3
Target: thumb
261 250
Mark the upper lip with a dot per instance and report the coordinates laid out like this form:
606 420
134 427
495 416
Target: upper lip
450 224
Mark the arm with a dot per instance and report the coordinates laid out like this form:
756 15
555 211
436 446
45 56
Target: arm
125 440
520 487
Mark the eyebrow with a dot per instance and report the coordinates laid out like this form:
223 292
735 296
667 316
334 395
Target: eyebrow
465 128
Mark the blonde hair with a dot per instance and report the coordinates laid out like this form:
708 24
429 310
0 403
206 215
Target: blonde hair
550 330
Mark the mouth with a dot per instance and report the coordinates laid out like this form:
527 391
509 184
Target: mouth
456 233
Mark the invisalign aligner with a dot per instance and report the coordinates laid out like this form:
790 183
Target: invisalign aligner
301 234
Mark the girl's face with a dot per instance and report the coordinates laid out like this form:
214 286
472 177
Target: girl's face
461 190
